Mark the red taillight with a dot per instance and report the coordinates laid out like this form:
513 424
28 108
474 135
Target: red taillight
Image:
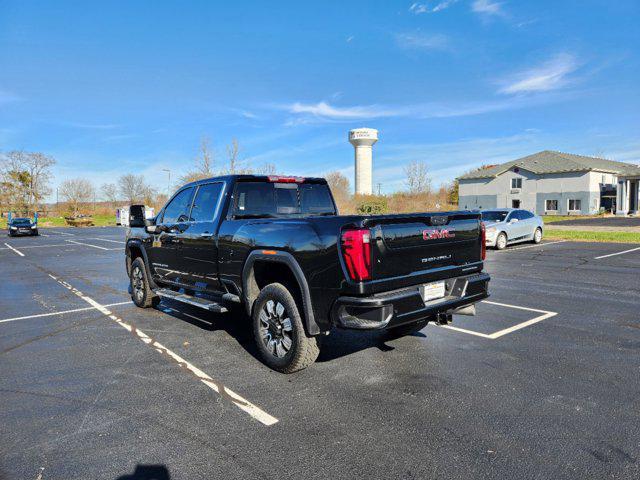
280 179
356 250
483 239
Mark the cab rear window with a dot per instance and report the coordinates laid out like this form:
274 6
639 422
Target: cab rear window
268 199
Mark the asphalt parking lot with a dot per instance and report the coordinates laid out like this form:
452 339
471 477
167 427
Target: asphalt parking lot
543 383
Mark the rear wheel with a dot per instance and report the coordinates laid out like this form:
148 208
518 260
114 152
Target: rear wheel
537 235
279 333
141 292
501 241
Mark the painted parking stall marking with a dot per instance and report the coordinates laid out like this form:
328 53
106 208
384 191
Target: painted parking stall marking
513 249
87 244
51 314
14 250
106 240
617 253
493 336
240 402
23 247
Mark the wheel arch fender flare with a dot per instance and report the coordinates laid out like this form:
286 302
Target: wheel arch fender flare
136 243
277 256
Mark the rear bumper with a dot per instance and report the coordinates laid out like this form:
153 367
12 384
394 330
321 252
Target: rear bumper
398 307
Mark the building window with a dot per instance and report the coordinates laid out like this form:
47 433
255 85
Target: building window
574 205
551 206
516 183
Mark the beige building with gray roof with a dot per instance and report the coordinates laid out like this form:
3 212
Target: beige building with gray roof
553 183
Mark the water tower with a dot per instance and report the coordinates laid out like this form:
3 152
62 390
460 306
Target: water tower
363 139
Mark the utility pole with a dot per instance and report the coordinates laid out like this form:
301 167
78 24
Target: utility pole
168 182
379 185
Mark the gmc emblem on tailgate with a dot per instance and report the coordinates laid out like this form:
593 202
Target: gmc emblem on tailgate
433 234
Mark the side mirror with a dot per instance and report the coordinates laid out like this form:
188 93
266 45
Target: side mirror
136 216
513 220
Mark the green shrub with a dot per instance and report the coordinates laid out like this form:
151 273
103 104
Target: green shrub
373 206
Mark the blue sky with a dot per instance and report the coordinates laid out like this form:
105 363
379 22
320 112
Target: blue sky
116 87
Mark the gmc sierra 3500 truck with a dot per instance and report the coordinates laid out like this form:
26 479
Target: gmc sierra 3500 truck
277 246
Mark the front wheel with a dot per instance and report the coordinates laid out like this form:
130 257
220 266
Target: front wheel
279 333
537 235
141 292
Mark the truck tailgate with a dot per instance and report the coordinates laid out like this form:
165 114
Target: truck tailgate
403 245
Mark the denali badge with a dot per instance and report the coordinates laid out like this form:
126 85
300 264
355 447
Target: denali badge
433 234
435 259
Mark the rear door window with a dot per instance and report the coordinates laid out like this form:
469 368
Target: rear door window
206 202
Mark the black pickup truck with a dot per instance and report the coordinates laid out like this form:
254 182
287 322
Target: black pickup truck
277 246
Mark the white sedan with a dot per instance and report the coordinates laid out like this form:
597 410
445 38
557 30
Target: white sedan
505 226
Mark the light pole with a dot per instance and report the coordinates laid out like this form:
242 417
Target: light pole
169 181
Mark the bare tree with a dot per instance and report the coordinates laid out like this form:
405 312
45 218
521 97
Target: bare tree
418 180
267 169
204 165
76 192
233 155
339 184
134 189
29 174
109 192
341 190
233 151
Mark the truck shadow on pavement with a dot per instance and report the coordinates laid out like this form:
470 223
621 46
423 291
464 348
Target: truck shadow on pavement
148 472
237 325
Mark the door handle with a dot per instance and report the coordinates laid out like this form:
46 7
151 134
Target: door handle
206 235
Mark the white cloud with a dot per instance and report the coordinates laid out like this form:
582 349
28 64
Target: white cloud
324 112
420 8
422 41
487 8
550 75
323 109
90 126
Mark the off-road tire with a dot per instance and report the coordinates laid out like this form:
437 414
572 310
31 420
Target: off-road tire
501 245
141 292
537 235
303 350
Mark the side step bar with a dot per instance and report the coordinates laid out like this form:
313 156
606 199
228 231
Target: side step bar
191 300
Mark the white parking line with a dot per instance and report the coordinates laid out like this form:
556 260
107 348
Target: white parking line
240 402
39 246
16 251
617 253
87 245
492 336
530 246
40 315
107 240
